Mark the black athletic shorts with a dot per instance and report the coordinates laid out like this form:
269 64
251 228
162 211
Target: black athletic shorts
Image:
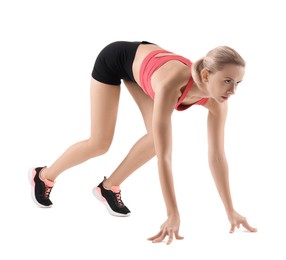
114 62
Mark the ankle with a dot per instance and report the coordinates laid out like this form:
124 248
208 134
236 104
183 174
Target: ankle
107 184
44 174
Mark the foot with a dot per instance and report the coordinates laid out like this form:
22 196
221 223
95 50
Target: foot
41 188
111 198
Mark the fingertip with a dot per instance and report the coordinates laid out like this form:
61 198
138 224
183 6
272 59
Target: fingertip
156 241
232 228
178 236
153 237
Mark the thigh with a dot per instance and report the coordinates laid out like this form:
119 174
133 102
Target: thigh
104 101
144 102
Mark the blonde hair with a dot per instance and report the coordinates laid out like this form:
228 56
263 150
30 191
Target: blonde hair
215 60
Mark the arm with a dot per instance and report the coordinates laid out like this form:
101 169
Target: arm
166 97
162 134
216 154
218 162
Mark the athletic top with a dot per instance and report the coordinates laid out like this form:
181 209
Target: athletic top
151 63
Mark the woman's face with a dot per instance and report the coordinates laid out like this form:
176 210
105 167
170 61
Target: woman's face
222 84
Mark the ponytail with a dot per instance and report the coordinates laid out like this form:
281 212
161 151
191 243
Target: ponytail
215 60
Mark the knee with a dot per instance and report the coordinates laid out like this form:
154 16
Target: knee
98 147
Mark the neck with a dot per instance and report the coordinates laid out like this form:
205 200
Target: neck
198 90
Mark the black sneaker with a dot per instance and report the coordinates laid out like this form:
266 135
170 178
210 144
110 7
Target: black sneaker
111 199
41 189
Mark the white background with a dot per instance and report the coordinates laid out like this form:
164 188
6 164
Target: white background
47 53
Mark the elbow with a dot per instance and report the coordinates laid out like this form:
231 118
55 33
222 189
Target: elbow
164 161
218 162
215 159
216 154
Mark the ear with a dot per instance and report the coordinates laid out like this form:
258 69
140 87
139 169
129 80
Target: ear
204 75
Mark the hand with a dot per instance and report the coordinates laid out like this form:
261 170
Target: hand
236 220
169 228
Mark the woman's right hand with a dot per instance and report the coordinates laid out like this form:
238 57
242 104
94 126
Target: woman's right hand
236 220
168 229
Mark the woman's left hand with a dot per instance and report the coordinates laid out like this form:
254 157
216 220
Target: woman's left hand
169 228
236 220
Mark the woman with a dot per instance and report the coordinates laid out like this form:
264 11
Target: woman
159 81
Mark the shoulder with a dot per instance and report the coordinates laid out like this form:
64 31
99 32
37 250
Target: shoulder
171 75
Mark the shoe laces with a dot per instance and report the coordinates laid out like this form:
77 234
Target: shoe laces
117 194
118 198
47 191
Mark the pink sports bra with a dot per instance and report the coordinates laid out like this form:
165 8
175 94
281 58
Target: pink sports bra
151 63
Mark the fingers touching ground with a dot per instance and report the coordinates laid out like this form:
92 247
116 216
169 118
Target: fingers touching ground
244 223
163 234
